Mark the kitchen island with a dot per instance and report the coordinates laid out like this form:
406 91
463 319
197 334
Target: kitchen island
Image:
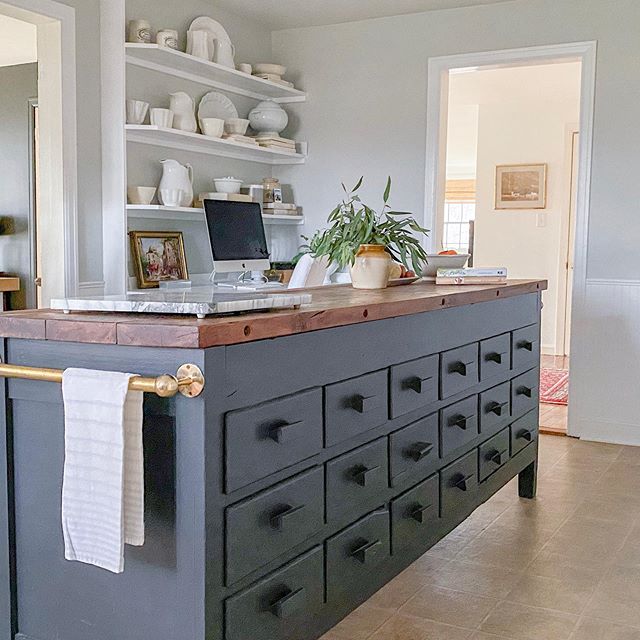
332 445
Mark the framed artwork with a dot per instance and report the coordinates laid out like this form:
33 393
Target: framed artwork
158 256
521 186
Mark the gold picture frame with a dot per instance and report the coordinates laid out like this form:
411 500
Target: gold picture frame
521 186
158 256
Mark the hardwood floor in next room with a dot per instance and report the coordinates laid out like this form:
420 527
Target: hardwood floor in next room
565 566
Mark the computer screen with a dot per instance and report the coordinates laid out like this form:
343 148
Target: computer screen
236 231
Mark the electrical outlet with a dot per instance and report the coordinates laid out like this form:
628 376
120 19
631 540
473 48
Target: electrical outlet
541 219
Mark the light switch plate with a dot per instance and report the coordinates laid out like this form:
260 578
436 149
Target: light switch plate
541 219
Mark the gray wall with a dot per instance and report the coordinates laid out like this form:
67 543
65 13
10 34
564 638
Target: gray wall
17 85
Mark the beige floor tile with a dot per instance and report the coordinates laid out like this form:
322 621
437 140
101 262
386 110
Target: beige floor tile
559 565
528 623
594 629
402 627
533 515
617 597
360 624
449 547
481 635
610 508
492 582
450 607
394 594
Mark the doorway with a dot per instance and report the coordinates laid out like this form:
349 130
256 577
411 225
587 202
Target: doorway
524 112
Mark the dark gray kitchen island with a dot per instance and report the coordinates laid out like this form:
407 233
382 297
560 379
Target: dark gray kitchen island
331 447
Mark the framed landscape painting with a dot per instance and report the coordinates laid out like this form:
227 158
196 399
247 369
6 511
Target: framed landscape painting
521 186
158 256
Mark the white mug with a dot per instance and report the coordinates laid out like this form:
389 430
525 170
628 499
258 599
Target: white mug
136 111
212 127
139 31
167 38
162 118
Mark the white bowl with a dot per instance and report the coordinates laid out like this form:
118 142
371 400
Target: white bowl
141 195
212 127
435 262
237 126
270 68
227 185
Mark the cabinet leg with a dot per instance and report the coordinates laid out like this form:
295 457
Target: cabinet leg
528 481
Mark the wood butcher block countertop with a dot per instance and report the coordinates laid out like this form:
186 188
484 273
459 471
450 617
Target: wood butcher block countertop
331 307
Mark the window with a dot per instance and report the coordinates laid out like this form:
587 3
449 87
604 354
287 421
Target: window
457 216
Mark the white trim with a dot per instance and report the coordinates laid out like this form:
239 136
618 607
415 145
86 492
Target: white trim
437 107
86 289
604 282
616 432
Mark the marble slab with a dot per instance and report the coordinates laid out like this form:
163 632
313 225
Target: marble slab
198 301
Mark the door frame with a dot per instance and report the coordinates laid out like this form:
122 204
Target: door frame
436 143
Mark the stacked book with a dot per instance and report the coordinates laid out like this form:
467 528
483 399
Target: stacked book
274 141
280 209
236 137
472 275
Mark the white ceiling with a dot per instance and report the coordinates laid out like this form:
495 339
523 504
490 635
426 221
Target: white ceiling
18 42
285 14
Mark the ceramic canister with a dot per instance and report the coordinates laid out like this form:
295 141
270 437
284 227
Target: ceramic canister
168 38
139 31
372 267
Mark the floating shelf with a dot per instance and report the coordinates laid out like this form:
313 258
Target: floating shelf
175 139
160 212
210 74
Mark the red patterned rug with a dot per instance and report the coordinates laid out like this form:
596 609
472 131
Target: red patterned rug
554 386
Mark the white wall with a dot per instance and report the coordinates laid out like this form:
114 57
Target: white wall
367 112
18 42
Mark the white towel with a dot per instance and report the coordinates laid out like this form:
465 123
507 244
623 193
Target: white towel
103 484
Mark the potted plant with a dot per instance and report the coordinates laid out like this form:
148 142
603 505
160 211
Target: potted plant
368 242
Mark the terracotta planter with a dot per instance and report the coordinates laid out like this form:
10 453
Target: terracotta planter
372 267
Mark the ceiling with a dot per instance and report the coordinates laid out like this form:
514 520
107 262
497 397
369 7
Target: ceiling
286 14
17 42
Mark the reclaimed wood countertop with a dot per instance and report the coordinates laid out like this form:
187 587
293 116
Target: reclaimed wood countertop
331 307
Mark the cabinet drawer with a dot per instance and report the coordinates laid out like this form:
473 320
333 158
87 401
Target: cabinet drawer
495 408
524 431
414 451
493 454
458 370
459 485
458 424
525 347
524 393
272 436
280 607
355 406
414 385
354 555
414 513
356 480
263 527
495 356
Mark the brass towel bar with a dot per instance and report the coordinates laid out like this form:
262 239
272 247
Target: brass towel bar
188 381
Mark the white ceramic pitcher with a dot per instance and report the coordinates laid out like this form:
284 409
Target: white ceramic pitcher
224 53
184 112
177 176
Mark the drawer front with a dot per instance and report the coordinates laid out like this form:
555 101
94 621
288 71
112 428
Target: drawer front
279 607
355 406
459 485
458 424
524 431
414 513
272 436
414 451
263 527
458 370
493 454
495 408
526 347
525 393
495 356
414 385
356 480
354 555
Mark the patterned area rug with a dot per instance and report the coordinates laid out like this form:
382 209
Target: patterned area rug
554 386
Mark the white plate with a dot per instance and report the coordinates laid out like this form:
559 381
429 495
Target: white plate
216 105
217 31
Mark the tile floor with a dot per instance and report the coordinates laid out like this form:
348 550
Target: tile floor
565 566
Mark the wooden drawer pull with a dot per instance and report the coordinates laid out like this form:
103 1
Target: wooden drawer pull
461 421
497 457
461 367
420 450
279 518
524 391
366 551
464 483
524 434
416 383
495 357
285 431
362 404
288 604
362 474
497 407
418 513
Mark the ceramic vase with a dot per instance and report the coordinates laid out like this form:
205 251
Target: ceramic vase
184 112
176 176
224 53
200 44
372 267
268 118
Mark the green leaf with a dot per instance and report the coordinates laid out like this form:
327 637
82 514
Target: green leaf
358 185
387 191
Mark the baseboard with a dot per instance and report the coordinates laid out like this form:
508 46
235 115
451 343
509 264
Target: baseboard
609 432
91 288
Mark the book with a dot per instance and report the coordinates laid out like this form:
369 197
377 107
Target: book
461 280
473 272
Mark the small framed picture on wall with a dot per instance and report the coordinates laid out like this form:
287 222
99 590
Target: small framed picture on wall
158 256
521 186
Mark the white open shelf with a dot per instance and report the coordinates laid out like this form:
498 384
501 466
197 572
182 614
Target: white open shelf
159 212
198 143
210 74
